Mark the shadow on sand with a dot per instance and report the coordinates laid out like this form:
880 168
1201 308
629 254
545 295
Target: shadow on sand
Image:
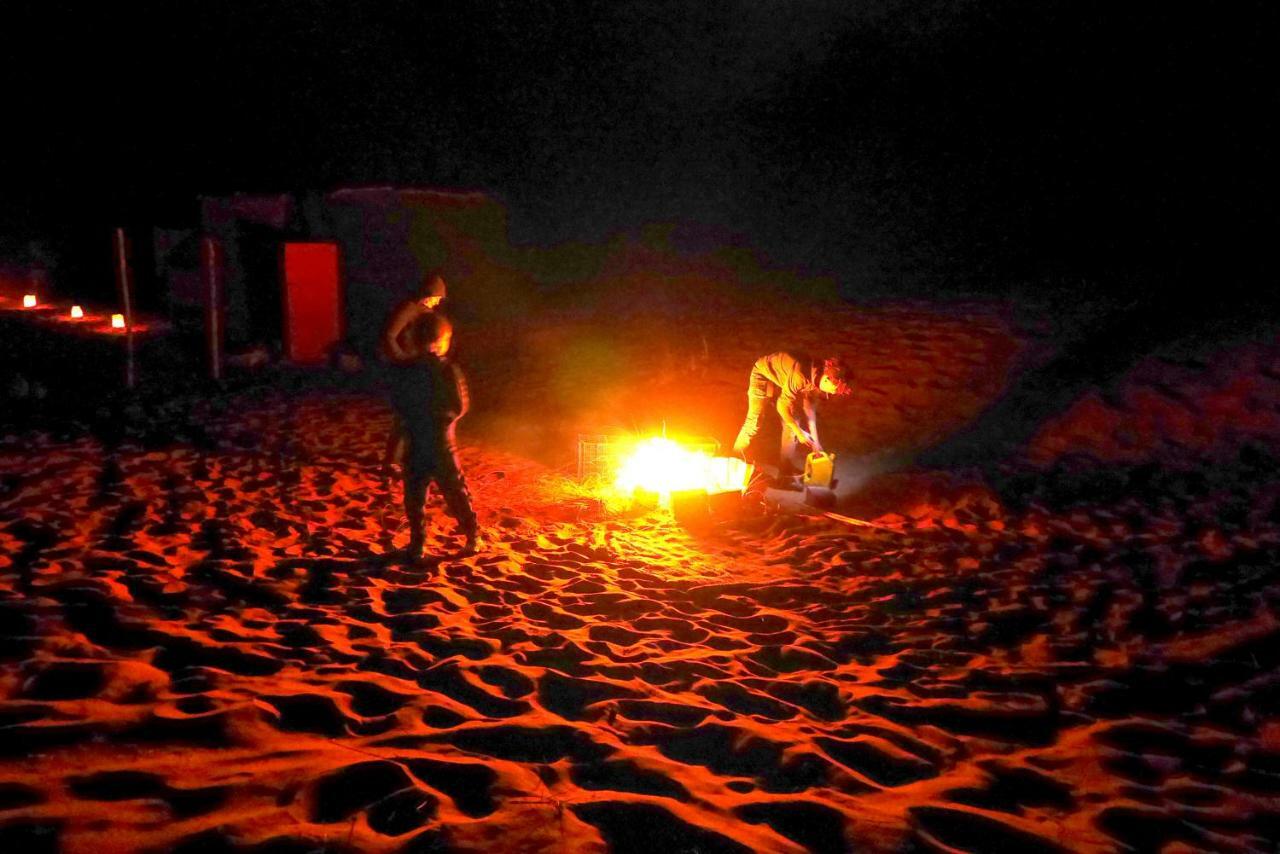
1100 344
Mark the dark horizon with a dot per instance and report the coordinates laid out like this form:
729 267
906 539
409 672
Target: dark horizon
952 145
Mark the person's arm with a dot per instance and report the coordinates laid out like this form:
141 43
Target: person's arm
400 320
811 414
462 394
786 402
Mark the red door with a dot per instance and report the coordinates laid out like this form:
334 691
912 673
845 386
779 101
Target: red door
312 318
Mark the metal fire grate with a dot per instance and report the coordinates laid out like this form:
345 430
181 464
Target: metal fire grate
600 454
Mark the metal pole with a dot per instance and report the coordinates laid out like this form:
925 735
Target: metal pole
126 298
213 314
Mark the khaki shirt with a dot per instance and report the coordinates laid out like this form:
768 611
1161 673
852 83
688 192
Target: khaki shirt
795 381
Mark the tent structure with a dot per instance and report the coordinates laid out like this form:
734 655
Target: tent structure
313 270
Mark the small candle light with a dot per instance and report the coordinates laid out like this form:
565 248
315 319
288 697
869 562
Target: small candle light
29 301
76 312
117 321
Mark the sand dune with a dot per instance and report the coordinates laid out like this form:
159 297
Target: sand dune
208 644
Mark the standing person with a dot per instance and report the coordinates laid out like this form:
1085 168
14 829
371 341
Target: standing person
796 381
397 343
429 396
408 330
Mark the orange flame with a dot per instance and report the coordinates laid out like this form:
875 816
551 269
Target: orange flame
661 466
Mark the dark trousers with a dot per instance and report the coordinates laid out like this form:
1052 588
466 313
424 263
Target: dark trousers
432 455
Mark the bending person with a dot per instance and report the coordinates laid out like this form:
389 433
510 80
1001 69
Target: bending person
796 381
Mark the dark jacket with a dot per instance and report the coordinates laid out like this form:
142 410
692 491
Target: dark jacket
430 392
429 395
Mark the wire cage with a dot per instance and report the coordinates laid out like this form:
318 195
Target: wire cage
601 454
598 454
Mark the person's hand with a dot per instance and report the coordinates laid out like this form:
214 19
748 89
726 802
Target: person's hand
811 440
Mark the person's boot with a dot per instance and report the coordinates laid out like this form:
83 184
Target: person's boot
475 543
413 551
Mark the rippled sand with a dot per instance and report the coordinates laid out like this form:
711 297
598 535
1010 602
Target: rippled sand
208 644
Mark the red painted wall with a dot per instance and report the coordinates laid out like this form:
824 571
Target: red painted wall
312 314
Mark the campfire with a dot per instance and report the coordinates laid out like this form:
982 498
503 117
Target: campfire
656 467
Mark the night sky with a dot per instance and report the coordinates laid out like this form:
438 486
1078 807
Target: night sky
929 143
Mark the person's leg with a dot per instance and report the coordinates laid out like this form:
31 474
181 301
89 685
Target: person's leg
757 400
453 487
457 498
415 495
394 451
418 466
791 456
750 428
746 445
757 483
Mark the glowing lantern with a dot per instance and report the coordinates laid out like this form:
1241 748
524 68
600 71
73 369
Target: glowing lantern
29 301
117 321
76 312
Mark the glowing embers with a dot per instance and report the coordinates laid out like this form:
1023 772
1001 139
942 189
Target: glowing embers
30 301
660 466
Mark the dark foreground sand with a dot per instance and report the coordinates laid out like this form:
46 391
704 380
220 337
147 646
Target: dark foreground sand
205 648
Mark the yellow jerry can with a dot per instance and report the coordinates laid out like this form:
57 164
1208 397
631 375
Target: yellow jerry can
819 469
